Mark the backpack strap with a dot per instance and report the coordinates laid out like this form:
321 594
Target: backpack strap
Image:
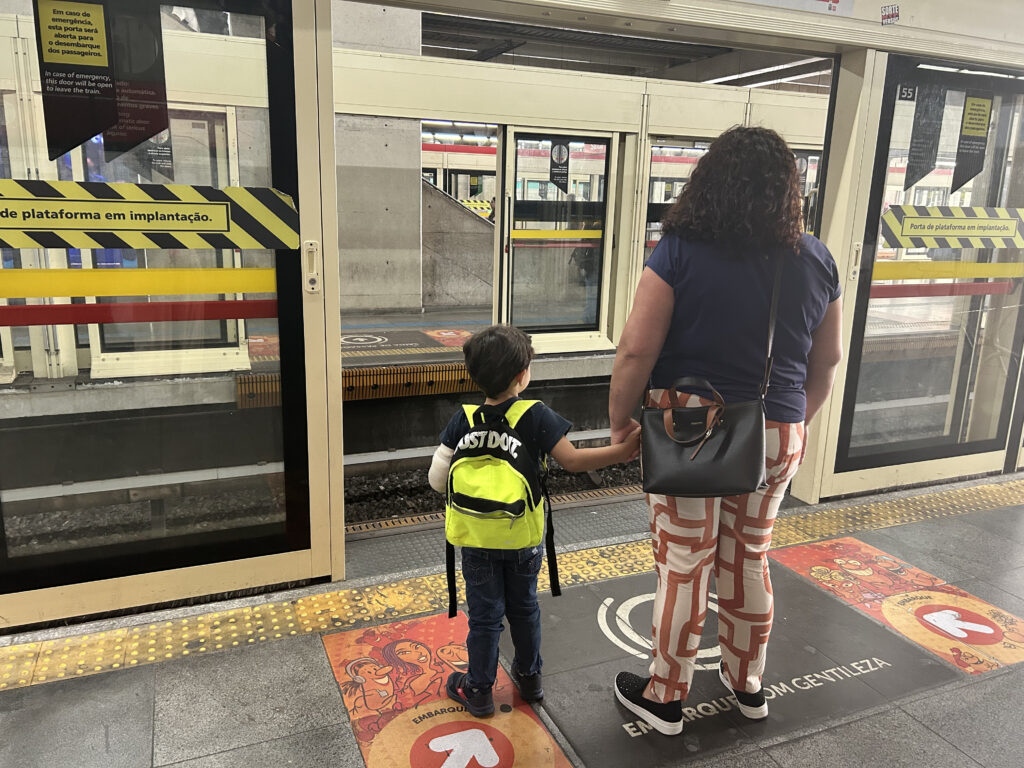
549 538
517 410
449 564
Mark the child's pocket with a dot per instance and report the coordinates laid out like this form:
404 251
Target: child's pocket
476 569
529 561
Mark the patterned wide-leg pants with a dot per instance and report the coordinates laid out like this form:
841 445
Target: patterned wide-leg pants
731 536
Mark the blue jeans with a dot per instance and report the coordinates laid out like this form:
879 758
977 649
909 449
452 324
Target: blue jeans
501 582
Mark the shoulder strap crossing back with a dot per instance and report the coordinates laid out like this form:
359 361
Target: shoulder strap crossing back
772 316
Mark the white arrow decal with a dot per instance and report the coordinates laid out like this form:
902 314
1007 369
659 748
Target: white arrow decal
948 621
463 747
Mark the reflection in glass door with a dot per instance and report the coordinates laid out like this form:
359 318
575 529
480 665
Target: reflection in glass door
672 162
935 355
556 242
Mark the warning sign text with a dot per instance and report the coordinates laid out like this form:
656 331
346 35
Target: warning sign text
954 227
113 216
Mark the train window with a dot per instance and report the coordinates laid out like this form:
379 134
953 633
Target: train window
937 336
557 231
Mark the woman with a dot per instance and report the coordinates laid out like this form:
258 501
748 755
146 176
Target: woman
702 309
412 660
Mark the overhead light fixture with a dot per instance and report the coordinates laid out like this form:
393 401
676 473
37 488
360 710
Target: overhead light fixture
793 78
962 71
986 74
764 71
447 136
444 123
449 48
547 58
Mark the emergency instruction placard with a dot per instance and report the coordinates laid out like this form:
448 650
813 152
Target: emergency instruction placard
78 89
73 33
67 214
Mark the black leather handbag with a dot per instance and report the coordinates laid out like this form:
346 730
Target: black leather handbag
707 451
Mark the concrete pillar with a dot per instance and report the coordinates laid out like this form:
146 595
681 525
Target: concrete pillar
378 167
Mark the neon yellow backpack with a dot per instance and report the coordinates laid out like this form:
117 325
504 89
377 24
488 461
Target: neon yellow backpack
496 497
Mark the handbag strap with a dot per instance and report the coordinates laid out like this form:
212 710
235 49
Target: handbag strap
772 315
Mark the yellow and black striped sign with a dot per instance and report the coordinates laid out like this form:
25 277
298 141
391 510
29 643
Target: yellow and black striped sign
480 207
918 226
69 214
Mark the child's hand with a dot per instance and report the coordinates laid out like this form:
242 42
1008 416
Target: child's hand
630 446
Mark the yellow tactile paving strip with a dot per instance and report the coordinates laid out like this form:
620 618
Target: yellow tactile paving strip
151 643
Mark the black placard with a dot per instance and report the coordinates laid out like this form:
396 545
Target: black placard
559 175
139 81
924 138
76 69
970 151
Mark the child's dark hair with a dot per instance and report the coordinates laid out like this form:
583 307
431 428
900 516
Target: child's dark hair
495 356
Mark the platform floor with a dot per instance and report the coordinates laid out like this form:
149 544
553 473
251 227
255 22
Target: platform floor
897 642
405 338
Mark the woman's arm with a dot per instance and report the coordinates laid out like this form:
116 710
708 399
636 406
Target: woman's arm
639 347
824 358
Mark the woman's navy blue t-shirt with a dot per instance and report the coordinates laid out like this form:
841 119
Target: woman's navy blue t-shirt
719 328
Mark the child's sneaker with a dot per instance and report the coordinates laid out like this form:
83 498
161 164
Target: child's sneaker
478 703
752 705
530 687
664 718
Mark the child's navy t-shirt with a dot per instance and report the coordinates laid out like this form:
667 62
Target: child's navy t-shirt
540 428
719 326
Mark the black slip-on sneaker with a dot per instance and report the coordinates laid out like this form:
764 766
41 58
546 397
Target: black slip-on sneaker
478 703
664 718
753 706
530 687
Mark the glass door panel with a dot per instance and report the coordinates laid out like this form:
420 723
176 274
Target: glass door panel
937 337
556 240
672 162
180 459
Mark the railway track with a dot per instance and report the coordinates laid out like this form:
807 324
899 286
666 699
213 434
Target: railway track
406 523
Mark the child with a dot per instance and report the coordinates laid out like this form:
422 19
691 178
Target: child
503 582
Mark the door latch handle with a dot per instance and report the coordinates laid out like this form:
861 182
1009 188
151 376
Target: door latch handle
311 261
855 262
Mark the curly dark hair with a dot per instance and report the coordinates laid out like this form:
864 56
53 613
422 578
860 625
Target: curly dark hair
744 193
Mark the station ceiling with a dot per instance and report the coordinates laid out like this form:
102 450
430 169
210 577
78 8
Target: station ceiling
475 39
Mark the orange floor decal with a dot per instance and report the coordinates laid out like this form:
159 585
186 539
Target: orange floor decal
968 632
392 680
